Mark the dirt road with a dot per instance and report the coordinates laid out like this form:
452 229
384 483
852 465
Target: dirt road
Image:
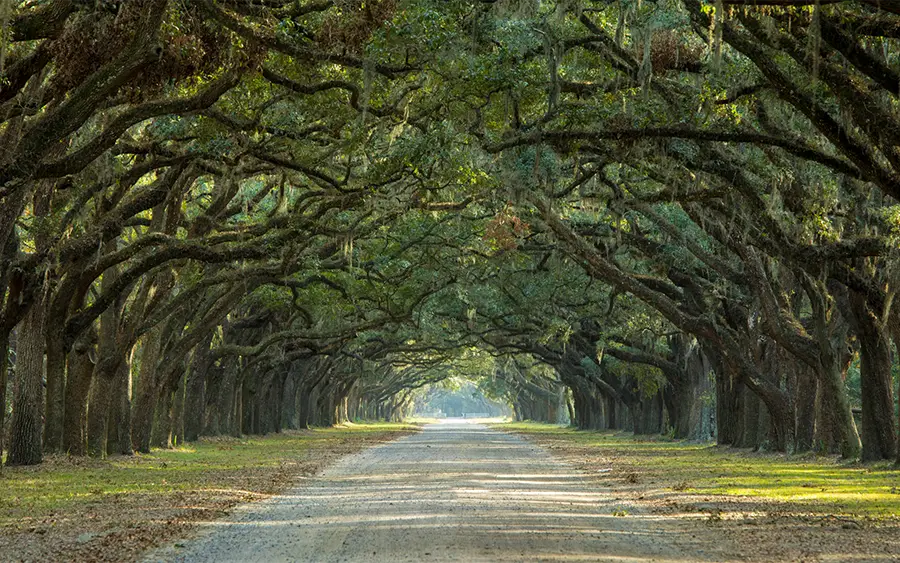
455 492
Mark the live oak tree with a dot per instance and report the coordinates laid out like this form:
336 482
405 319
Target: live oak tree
238 217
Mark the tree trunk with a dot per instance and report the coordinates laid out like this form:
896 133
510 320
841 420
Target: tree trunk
195 390
118 437
879 434
726 408
805 392
163 423
4 375
78 386
750 406
145 397
56 387
25 440
836 409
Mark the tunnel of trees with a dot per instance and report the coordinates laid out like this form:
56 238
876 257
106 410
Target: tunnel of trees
243 216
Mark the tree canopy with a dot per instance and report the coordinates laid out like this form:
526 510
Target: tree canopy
235 216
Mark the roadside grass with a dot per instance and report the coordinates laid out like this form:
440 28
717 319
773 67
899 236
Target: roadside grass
421 420
816 485
150 496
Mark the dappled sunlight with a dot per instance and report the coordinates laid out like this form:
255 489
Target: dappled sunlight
812 484
464 492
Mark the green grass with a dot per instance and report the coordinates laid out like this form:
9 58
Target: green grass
821 485
228 468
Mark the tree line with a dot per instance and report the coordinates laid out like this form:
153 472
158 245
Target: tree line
234 216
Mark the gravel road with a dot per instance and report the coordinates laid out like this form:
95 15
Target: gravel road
456 491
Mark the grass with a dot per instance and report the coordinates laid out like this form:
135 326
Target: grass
817 485
144 498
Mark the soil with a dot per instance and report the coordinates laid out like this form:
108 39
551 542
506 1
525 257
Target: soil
455 492
754 529
122 526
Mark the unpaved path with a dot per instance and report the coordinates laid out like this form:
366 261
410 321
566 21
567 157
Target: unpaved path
454 492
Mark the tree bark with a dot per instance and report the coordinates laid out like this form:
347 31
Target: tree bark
879 433
4 377
25 442
80 370
805 392
145 396
118 436
195 389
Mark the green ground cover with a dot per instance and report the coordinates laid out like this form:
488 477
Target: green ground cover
223 469
817 484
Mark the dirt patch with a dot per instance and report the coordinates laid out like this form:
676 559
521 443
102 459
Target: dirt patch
456 492
115 509
767 530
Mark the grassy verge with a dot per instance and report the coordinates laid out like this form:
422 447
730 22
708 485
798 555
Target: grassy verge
761 481
111 510
757 507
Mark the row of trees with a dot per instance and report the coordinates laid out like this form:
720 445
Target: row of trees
236 217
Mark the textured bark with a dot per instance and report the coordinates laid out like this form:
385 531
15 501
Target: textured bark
195 389
118 437
163 420
56 388
726 408
145 393
178 415
80 370
4 378
28 404
879 433
108 362
101 398
832 410
805 392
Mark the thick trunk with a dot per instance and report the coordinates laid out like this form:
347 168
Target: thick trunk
56 388
145 396
879 434
805 393
836 409
78 386
726 409
749 407
163 422
118 437
195 389
25 434
101 402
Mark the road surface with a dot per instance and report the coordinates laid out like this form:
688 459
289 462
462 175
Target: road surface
457 491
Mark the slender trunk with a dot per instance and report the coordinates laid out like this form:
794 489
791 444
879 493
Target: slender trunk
4 375
178 414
